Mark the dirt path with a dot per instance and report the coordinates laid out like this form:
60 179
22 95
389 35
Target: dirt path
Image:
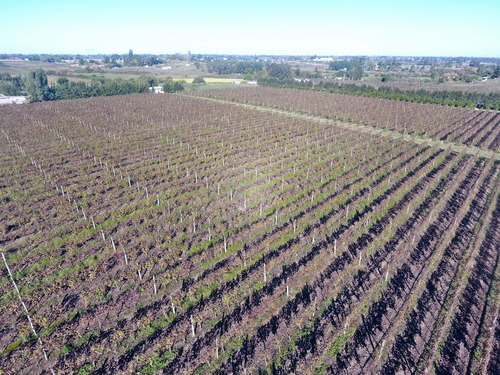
457 147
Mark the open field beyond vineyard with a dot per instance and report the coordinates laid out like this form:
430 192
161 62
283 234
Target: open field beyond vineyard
302 232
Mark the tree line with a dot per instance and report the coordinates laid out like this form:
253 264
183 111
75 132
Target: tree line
443 97
10 85
38 89
65 89
36 86
234 67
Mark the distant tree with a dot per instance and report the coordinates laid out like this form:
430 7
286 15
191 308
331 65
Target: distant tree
496 72
198 79
7 88
37 86
232 66
149 80
127 59
170 86
279 71
475 63
353 68
10 85
341 65
62 81
149 60
179 85
357 73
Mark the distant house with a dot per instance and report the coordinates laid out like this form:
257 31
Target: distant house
157 90
12 99
252 82
167 68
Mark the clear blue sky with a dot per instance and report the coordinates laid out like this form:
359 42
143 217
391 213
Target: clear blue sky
378 27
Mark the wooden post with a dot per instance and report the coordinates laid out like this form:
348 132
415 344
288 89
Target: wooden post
217 348
125 255
192 326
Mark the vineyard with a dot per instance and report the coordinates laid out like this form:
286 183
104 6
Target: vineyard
182 234
470 127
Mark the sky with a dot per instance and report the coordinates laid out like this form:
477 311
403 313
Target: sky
258 27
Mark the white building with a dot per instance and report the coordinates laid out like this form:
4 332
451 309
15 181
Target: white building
12 99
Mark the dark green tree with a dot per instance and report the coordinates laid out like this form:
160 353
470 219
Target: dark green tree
357 73
7 88
279 71
496 72
149 80
62 81
198 79
37 86
170 86
10 85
